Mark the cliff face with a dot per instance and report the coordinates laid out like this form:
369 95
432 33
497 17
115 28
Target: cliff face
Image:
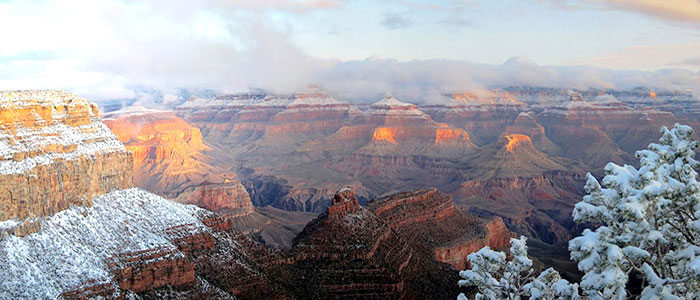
396 247
465 138
497 237
56 153
537 206
137 245
429 218
229 197
169 154
77 230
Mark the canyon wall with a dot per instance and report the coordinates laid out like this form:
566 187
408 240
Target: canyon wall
56 153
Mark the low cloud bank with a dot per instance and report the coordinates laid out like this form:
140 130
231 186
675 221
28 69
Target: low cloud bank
158 54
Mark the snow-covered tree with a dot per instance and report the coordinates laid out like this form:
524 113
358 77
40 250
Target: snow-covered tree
649 223
498 278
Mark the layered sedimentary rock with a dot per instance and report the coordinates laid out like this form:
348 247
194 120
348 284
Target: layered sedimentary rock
229 197
461 139
497 237
55 154
537 206
429 218
99 238
392 249
133 244
169 153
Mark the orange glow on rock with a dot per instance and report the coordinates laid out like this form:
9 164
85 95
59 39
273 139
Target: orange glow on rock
515 139
165 141
384 134
443 135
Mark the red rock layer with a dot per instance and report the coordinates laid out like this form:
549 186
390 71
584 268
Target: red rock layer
537 205
168 152
215 264
497 237
386 250
152 268
230 197
429 217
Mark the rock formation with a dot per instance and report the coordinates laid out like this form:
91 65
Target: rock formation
91 234
463 139
429 219
229 197
110 240
55 154
399 246
169 154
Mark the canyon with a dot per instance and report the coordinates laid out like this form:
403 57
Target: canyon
258 196
488 150
517 154
105 237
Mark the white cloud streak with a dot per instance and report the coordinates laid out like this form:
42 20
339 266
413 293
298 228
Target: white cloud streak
111 49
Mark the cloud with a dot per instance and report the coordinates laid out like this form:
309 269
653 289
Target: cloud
456 23
424 81
85 45
675 11
395 21
158 53
693 61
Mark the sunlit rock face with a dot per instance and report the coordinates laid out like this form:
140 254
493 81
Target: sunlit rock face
172 160
384 134
72 226
517 140
169 153
55 153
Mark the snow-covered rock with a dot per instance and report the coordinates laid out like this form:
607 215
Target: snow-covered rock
73 246
54 153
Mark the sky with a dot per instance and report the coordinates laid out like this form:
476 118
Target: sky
117 49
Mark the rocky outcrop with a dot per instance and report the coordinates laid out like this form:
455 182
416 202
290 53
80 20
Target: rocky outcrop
497 237
534 206
151 269
394 248
430 219
169 153
56 153
344 202
229 197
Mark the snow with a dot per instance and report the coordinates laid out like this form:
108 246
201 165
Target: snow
90 139
389 106
24 98
72 246
496 278
308 101
392 102
32 143
647 221
8 224
638 210
133 110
